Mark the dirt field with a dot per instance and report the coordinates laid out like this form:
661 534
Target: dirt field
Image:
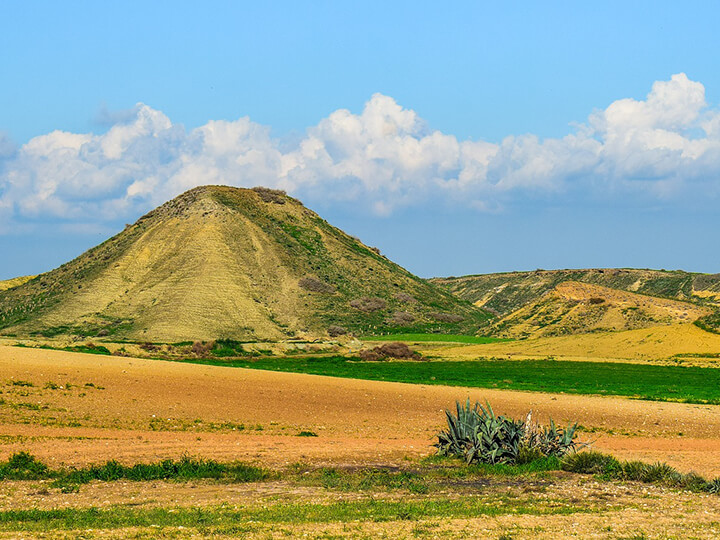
145 409
70 408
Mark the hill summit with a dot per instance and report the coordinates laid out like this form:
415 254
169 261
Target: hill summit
221 262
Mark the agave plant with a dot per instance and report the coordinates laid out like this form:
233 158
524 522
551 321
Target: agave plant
477 434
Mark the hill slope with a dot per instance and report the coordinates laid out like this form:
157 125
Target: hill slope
221 262
573 308
14 282
505 292
530 299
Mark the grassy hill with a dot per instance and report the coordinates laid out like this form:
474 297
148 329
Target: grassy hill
14 282
222 262
533 303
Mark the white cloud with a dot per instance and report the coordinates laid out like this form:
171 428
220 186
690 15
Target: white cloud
661 147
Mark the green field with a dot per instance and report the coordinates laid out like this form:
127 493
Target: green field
689 384
449 338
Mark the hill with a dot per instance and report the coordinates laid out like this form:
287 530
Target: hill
505 293
572 307
220 262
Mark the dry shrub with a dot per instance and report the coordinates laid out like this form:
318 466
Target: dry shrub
335 331
405 297
202 348
394 349
375 250
597 300
150 347
276 196
370 355
368 304
315 285
447 317
400 318
104 332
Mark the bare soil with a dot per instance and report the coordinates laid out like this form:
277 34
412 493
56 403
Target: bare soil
146 409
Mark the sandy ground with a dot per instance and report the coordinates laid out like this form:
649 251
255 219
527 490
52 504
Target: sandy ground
132 409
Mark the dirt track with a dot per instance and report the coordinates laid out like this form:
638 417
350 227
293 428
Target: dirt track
146 409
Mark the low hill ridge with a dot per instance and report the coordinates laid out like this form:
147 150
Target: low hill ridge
573 307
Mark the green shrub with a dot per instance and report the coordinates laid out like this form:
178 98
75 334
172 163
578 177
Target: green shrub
714 486
608 467
476 434
660 473
23 466
634 470
590 463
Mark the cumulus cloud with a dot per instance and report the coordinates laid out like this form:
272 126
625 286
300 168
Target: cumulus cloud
385 157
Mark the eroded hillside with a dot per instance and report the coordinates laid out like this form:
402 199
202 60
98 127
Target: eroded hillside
533 303
574 308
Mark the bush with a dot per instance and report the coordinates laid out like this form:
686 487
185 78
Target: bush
23 466
315 285
401 318
335 331
590 463
276 196
476 434
596 300
714 486
657 473
368 304
405 297
661 473
202 348
447 317
394 349
370 355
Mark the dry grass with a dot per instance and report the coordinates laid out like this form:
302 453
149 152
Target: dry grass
647 344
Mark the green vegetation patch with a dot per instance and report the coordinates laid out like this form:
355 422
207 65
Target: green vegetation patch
450 338
710 323
609 468
88 348
371 510
24 466
689 384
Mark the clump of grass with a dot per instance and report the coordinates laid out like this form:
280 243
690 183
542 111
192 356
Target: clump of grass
608 467
307 433
591 462
21 383
186 468
24 466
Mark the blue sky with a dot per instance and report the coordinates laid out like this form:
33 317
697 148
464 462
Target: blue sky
477 138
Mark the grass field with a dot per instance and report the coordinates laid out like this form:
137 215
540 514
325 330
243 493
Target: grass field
689 384
443 338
